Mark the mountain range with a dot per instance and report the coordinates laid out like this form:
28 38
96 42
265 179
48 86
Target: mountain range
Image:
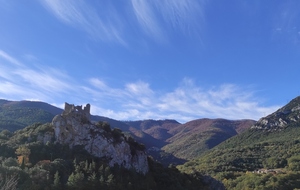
168 141
242 154
72 152
266 156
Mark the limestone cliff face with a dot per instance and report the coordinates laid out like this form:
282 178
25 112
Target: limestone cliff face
73 128
288 115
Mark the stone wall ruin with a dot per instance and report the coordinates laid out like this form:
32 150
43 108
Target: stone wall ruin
72 109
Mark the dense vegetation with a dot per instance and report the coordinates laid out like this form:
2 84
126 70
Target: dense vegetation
28 163
255 159
194 138
17 118
267 156
192 145
17 115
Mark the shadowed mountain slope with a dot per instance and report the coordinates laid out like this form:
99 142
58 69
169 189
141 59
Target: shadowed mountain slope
156 131
196 137
273 142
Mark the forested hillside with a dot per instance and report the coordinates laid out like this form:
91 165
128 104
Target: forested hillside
267 156
33 165
194 138
33 158
16 115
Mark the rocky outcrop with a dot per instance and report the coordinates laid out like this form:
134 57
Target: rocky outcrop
74 128
288 115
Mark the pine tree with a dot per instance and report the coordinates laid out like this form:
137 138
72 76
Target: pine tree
86 166
93 166
101 170
56 181
101 179
75 180
92 177
71 180
110 179
92 180
107 171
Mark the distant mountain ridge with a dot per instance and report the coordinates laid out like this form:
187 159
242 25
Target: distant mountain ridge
16 115
156 129
193 138
71 152
163 138
32 104
270 149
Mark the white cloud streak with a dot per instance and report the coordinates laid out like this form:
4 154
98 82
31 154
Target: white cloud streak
186 102
146 17
43 80
15 91
135 100
83 16
30 82
8 58
154 18
157 16
182 14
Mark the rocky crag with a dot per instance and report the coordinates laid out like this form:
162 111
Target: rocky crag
288 115
73 127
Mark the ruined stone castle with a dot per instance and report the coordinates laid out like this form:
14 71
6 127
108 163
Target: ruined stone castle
72 128
71 109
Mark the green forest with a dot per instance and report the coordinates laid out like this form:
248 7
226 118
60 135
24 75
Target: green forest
14 118
27 163
254 160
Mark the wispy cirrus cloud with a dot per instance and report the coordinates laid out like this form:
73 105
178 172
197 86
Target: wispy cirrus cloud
183 15
100 91
285 22
133 101
225 101
147 18
108 24
139 88
80 14
155 17
186 102
17 91
41 79
9 58
34 82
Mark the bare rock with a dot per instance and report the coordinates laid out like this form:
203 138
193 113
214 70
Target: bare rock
74 128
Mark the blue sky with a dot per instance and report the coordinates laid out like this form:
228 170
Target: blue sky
156 59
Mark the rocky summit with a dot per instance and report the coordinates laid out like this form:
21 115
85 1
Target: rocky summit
289 115
73 127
